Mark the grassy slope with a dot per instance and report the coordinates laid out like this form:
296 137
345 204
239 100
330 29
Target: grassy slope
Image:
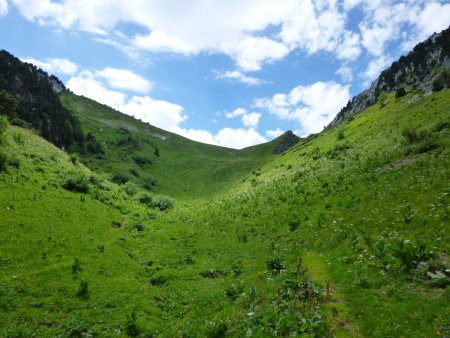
184 168
350 198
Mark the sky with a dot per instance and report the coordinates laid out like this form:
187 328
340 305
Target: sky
234 73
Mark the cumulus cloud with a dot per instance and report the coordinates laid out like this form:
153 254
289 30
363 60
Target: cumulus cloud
238 76
375 67
163 114
3 7
125 79
236 112
345 73
274 133
226 137
407 22
230 27
313 107
54 66
238 138
251 120
85 83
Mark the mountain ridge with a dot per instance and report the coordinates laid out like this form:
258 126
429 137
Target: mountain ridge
417 70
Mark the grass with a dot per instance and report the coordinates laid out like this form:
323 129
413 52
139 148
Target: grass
346 224
159 160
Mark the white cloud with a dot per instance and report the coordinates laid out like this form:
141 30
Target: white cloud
345 73
251 120
87 85
54 66
160 113
313 107
251 53
233 27
236 112
125 79
238 76
227 137
375 67
433 19
274 133
164 114
3 7
238 138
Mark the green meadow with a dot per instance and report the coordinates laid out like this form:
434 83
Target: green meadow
345 234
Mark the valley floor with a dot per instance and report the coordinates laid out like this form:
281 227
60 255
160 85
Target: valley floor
346 234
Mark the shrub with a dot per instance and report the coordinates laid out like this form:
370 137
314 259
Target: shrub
236 268
412 135
19 138
141 161
217 329
131 328
3 161
275 263
411 254
139 227
74 158
3 128
119 178
134 172
83 290
76 266
163 203
340 133
234 290
145 198
400 92
130 188
294 224
77 182
441 81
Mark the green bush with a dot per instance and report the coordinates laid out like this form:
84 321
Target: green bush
145 198
83 290
234 290
3 128
217 329
163 203
119 178
441 81
275 263
77 182
3 161
400 92
131 328
411 254
130 188
412 135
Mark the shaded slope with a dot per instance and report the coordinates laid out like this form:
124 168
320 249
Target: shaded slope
38 100
160 160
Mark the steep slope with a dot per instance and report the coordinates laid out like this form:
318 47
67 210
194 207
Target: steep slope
38 101
163 161
426 67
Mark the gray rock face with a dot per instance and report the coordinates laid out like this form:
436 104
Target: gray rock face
417 70
289 139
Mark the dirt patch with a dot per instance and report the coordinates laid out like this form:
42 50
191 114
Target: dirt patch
404 162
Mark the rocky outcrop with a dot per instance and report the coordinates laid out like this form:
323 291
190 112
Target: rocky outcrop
289 139
417 70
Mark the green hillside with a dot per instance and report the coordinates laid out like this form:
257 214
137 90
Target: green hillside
159 160
345 234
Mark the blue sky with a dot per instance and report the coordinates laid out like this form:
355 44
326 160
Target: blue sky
228 72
